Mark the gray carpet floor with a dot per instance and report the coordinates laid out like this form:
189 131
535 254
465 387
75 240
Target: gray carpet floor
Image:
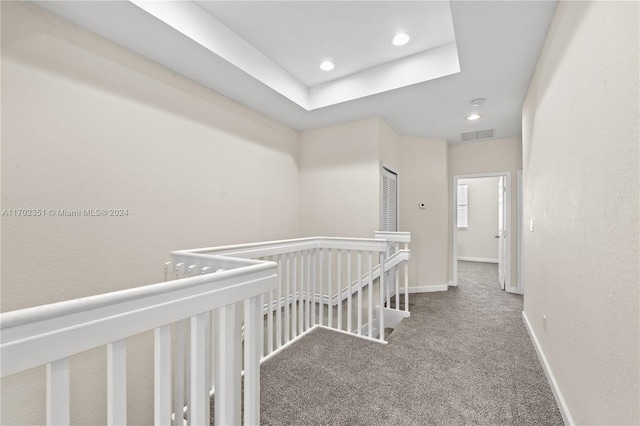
463 357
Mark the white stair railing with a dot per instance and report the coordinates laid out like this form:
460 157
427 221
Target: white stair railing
50 334
221 311
396 257
322 281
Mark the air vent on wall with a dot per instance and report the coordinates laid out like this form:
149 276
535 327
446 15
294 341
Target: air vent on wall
480 134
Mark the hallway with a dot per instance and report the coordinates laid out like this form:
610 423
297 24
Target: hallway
463 357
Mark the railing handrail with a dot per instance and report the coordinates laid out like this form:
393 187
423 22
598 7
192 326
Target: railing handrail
271 248
394 236
159 304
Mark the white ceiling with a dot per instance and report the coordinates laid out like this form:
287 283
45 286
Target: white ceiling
355 35
265 55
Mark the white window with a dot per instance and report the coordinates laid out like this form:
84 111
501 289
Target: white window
463 207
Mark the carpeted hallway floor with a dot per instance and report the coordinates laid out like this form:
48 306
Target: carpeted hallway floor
463 357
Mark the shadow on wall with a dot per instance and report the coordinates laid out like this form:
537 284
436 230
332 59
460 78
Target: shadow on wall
106 67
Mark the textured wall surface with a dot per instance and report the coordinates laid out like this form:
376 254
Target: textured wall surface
86 124
478 241
580 143
424 180
339 180
390 147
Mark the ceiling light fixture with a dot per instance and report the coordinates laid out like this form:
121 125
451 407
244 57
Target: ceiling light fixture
400 39
477 102
326 65
473 117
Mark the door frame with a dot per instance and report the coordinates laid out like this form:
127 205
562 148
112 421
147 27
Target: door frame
454 225
519 212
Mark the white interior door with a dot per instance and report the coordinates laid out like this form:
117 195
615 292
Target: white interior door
502 230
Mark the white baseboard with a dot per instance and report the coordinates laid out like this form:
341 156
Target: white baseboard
478 259
514 290
557 394
426 288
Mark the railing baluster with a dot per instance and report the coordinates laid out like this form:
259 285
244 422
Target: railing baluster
330 305
396 277
321 287
339 305
178 271
294 297
117 383
287 301
279 305
406 282
192 270
312 296
212 359
162 376
252 344
208 357
359 269
209 341
180 329
199 402
168 271
301 295
397 280
228 365
187 369
270 318
349 294
381 298
307 289
58 392
370 294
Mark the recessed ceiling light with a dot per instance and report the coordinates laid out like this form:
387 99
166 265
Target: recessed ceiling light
477 102
473 117
400 39
327 65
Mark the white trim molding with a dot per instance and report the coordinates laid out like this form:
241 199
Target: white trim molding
477 259
426 288
557 394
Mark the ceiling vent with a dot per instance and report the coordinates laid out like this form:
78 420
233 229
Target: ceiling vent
480 134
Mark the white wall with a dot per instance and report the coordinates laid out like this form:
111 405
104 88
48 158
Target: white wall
87 124
339 180
424 179
340 193
478 242
580 135
390 146
497 155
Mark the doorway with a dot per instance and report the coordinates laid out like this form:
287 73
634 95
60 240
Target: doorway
482 227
